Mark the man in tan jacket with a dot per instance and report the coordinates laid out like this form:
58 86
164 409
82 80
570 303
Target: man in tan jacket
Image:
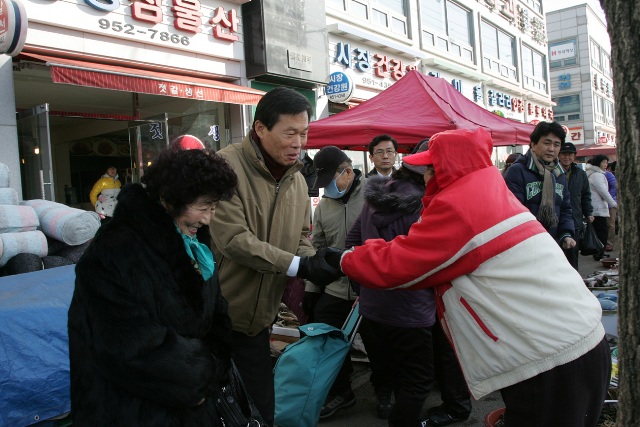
261 235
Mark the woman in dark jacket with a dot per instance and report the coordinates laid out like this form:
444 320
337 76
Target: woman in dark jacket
397 324
148 327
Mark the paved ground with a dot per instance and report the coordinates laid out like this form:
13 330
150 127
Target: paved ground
363 413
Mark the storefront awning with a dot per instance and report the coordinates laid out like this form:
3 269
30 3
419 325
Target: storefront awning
84 73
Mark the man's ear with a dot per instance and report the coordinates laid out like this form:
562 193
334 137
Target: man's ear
260 128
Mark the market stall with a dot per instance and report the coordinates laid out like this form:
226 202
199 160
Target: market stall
416 107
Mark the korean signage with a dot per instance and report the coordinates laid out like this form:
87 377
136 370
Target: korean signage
340 87
193 25
13 27
576 135
564 81
602 85
376 70
562 51
605 138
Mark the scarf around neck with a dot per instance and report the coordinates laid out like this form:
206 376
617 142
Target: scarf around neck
200 254
546 213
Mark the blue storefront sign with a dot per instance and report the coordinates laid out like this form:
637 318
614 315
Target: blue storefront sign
340 87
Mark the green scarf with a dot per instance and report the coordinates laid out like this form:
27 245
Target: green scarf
200 254
547 213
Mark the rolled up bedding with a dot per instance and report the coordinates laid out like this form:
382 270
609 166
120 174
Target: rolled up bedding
8 196
14 219
69 225
27 242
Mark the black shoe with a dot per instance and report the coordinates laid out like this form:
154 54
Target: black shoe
335 403
439 416
385 406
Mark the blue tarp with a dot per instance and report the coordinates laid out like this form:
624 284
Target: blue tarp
34 351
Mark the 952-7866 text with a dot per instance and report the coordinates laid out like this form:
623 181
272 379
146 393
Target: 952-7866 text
152 34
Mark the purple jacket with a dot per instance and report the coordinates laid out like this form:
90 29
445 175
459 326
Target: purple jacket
611 180
391 207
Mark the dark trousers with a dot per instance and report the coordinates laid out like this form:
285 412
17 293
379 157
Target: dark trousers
601 228
402 360
334 311
252 356
567 395
454 392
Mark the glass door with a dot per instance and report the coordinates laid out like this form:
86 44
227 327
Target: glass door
34 142
146 139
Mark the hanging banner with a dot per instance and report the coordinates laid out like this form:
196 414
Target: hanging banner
13 27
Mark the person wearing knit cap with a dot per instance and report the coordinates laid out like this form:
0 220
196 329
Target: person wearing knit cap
539 182
340 205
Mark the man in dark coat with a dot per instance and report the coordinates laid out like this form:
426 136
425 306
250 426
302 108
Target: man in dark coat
580 197
539 182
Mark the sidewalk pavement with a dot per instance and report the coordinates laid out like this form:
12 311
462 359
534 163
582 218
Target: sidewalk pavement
363 414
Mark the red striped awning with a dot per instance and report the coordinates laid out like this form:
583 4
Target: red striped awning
83 73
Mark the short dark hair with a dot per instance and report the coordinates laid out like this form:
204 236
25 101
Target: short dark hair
179 177
378 139
544 129
281 100
597 159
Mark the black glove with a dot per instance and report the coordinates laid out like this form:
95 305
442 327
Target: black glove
333 256
309 301
316 270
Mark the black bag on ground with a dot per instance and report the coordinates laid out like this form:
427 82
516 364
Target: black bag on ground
234 405
590 244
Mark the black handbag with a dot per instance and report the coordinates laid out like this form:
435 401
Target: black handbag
234 405
590 244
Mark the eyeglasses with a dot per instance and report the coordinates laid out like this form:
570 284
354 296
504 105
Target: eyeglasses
390 152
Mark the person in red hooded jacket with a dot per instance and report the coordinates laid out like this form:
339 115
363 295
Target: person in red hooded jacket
518 315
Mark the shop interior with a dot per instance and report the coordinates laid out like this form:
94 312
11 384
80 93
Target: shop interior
69 135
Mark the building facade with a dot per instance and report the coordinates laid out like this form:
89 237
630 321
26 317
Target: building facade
493 51
581 77
101 84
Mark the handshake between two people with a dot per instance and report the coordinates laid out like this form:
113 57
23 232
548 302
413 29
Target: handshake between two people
322 268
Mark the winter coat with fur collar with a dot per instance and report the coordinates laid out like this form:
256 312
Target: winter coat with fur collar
148 337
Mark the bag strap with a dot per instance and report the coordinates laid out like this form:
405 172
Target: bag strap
352 323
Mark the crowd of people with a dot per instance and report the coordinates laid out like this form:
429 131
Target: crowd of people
464 275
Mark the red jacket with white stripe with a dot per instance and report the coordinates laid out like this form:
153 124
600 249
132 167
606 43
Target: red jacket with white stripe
510 302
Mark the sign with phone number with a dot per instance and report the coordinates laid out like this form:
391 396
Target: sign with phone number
152 34
117 22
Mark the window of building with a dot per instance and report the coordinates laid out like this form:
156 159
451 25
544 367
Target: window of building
534 69
606 64
380 14
498 50
598 108
567 108
596 60
563 53
447 26
535 5
609 113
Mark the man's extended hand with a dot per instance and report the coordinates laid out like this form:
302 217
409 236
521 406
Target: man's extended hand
317 270
333 256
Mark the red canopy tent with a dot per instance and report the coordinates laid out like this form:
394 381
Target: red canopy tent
414 108
592 150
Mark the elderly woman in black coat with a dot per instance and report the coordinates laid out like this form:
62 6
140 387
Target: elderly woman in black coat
148 328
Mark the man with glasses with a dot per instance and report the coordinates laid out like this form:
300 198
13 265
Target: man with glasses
382 153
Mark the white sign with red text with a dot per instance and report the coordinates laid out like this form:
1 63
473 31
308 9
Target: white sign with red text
209 28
